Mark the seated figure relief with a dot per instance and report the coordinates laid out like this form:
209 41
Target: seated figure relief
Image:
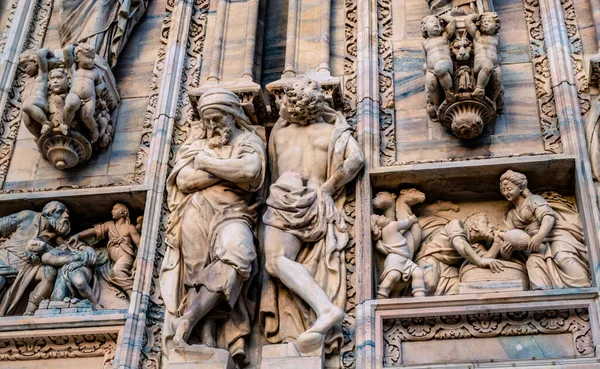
208 270
540 245
36 253
66 104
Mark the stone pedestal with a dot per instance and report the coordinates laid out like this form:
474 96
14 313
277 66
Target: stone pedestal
199 357
287 356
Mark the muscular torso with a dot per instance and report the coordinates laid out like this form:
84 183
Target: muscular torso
302 154
486 47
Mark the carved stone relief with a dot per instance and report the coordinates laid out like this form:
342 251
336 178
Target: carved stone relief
387 125
43 347
463 80
67 103
575 322
543 84
105 25
539 246
320 281
39 255
213 194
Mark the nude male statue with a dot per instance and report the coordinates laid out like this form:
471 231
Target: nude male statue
313 155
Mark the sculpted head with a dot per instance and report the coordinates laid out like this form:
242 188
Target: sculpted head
489 23
431 26
84 56
462 48
119 211
513 184
28 61
479 227
384 200
378 222
57 215
411 196
303 102
58 81
221 115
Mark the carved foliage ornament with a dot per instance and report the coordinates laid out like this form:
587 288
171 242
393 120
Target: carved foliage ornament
574 321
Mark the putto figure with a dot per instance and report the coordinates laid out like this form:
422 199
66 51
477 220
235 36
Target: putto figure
35 95
213 194
390 241
312 156
86 85
438 60
486 65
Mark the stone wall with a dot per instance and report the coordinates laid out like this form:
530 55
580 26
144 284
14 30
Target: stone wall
368 57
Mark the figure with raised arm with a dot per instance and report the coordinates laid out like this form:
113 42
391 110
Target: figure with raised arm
312 156
438 59
486 66
35 95
86 86
390 241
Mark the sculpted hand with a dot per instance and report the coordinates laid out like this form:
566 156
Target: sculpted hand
494 265
324 196
413 218
201 161
534 243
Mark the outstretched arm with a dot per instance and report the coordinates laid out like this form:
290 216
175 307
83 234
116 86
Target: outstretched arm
345 172
463 248
470 24
60 259
405 224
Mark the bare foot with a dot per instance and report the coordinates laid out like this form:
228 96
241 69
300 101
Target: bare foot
309 342
64 129
95 136
46 128
324 323
181 326
479 92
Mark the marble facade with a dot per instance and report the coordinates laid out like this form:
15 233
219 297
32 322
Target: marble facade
299 184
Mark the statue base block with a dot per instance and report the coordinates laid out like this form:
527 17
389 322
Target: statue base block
287 356
199 357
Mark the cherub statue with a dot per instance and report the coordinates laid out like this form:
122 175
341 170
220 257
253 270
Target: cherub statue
59 87
438 60
391 242
35 103
86 85
484 29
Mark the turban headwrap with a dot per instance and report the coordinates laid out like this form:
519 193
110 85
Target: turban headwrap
226 101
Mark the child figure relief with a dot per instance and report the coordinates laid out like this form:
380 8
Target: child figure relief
389 235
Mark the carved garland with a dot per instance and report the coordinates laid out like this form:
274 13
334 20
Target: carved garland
347 356
519 323
577 55
11 117
151 350
60 347
387 127
543 83
9 20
